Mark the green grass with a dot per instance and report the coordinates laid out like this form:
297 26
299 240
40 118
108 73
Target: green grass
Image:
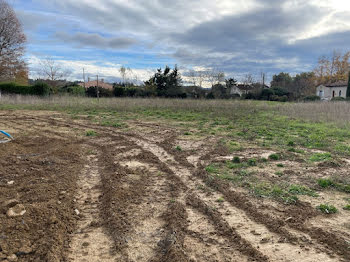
327 209
318 157
331 183
347 207
274 157
90 133
178 148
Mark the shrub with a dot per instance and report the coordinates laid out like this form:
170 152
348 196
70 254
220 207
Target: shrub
339 98
311 98
42 89
13 88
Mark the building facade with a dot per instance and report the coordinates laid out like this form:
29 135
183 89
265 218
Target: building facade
329 91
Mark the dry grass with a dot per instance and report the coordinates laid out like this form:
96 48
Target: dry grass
333 112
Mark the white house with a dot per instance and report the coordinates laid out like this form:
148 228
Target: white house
328 91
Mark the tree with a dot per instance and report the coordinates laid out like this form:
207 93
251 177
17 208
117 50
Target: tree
12 40
283 80
332 69
52 71
167 83
348 89
122 71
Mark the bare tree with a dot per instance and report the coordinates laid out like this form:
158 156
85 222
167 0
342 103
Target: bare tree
122 71
248 79
51 70
12 40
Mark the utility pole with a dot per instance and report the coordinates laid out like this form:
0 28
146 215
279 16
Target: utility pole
97 90
84 77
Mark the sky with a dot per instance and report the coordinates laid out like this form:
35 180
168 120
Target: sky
237 37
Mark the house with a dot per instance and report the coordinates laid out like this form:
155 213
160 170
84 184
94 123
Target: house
241 89
329 91
101 83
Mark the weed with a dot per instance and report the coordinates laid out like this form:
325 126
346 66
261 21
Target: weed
220 200
252 162
178 148
347 207
290 143
90 133
274 157
212 169
187 133
280 165
327 209
318 157
279 173
301 190
236 160
325 182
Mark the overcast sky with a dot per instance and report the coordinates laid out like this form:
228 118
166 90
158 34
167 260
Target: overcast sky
234 36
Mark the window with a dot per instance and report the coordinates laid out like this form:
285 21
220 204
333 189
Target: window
339 92
333 94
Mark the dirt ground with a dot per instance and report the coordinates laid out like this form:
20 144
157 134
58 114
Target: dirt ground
131 196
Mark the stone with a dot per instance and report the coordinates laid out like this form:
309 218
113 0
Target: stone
16 211
10 182
77 212
12 258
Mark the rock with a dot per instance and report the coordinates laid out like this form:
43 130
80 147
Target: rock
12 258
77 212
2 256
26 249
16 211
10 182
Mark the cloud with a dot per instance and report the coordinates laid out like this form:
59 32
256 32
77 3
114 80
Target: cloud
95 40
236 36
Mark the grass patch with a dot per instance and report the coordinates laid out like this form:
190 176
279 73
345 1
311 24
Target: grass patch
347 207
331 183
327 209
178 148
301 190
318 157
274 157
90 133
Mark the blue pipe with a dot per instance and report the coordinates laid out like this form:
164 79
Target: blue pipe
6 134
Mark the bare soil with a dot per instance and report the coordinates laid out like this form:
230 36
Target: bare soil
132 196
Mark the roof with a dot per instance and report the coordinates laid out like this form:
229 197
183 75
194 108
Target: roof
337 84
100 84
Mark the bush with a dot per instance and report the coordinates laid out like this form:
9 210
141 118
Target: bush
12 88
42 89
75 90
311 98
339 98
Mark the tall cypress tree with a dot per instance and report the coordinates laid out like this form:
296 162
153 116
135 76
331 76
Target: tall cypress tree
348 89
